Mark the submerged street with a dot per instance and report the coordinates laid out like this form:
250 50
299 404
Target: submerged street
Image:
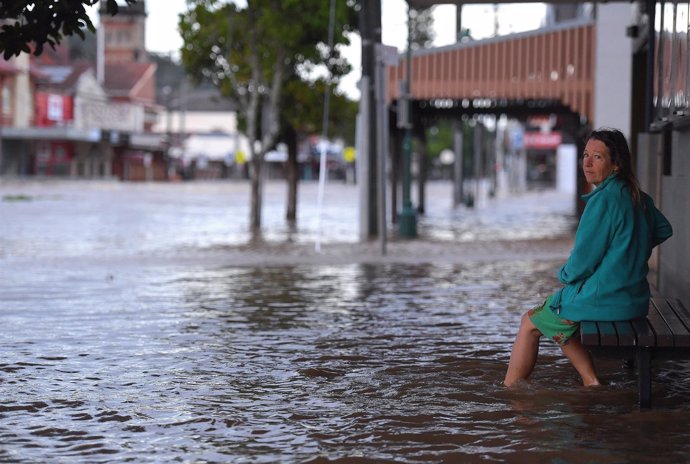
142 323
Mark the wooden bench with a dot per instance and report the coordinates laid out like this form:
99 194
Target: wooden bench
663 334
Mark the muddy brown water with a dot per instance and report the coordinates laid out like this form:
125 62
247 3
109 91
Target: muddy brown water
136 334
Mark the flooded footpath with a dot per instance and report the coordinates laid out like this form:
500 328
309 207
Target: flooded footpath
141 323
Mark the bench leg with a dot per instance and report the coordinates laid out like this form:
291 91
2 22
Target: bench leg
644 377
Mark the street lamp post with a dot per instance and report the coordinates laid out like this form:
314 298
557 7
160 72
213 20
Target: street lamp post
408 218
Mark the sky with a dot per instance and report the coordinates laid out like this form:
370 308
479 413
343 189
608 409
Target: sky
162 36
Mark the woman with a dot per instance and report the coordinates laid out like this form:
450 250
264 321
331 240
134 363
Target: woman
605 276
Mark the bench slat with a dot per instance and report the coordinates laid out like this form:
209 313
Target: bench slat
681 311
681 335
664 336
664 333
589 333
626 333
619 333
607 334
643 332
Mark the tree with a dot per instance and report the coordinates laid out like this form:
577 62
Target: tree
41 22
250 53
422 28
302 113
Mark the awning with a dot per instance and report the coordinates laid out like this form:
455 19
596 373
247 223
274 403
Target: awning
52 133
148 141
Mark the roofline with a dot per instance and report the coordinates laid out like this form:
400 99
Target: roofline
503 38
150 71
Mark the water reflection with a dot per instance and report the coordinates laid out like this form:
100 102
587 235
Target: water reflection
310 364
117 348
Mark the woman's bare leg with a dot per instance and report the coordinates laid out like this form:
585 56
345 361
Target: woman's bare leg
523 358
582 361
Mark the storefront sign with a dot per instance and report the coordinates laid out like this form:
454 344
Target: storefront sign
542 141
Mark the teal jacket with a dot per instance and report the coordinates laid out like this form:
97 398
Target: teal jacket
605 276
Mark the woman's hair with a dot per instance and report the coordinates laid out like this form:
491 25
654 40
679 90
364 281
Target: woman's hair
620 157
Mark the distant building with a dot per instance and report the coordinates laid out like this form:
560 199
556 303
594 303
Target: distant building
124 34
66 138
129 76
201 126
18 83
76 117
100 108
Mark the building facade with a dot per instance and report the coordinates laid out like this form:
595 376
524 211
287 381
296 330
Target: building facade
84 118
662 90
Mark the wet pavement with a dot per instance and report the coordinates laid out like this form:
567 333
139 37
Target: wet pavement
142 324
81 221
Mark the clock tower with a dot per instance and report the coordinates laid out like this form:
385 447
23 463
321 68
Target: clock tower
124 34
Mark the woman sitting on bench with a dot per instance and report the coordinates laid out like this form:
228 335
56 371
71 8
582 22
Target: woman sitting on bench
605 276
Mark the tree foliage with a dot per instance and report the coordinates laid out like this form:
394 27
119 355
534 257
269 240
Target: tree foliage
41 22
422 28
302 114
302 108
251 52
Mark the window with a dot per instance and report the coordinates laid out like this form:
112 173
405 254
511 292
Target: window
671 63
6 100
55 107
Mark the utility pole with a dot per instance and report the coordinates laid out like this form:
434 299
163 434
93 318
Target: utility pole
458 143
408 217
458 124
477 161
370 29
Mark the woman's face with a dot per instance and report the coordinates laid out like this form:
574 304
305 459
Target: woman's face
596 162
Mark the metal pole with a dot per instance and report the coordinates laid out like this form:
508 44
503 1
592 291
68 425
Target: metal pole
324 133
370 29
458 23
408 218
649 84
457 162
476 163
458 125
381 145
363 153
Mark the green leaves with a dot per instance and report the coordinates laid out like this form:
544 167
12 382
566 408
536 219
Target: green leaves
241 48
32 24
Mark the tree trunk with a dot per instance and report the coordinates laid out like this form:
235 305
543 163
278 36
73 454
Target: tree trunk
292 174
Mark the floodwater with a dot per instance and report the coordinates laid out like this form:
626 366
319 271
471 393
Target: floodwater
131 334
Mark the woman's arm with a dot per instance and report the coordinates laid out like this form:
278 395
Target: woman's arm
592 240
662 228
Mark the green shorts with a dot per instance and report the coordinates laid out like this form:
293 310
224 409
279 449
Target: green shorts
551 325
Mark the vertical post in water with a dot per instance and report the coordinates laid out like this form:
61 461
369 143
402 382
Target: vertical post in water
477 162
324 132
408 217
362 164
381 143
370 30
458 162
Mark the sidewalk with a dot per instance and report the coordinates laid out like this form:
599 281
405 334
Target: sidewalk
398 251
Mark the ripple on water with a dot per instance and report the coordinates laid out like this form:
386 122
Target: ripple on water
312 364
